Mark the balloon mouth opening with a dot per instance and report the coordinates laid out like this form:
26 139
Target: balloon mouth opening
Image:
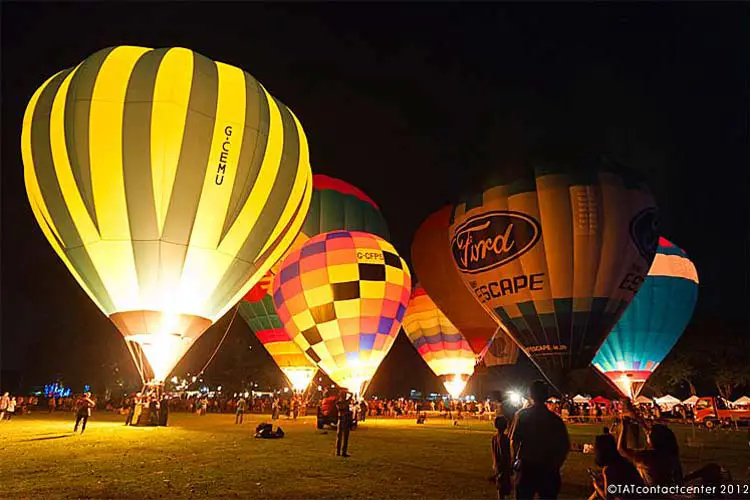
455 384
158 340
628 383
355 384
299 378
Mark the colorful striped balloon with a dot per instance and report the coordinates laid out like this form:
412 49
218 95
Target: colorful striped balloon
440 344
168 184
335 205
653 323
341 297
433 264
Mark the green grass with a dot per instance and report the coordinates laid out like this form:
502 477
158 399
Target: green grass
210 457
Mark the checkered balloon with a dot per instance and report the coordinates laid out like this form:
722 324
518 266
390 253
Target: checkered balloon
341 297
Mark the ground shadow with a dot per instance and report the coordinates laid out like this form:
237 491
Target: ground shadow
47 438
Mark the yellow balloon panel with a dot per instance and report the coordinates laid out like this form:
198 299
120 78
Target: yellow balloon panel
166 182
439 343
556 258
341 296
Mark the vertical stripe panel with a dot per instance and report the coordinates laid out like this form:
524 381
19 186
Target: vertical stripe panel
77 109
40 160
139 189
254 140
188 183
41 153
30 179
171 100
194 152
291 184
114 256
244 225
204 267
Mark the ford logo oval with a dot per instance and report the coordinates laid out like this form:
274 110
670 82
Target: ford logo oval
492 239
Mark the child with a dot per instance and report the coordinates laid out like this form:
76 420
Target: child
501 461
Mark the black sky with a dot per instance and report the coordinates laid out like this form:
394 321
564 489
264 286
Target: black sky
411 102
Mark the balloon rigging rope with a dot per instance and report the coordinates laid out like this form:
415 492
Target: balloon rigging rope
226 332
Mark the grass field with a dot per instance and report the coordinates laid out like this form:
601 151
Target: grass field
211 457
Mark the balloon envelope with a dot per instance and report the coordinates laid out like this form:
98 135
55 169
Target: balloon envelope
256 308
335 205
556 254
652 323
341 297
433 263
168 184
439 342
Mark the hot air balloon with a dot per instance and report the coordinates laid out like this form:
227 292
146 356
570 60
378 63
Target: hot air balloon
556 254
433 263
341 296
335 205
652 323
439 343
168 184
256 308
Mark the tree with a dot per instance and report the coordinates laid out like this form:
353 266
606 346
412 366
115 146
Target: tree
675 372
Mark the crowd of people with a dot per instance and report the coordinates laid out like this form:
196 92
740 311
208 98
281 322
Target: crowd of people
528 449
528 455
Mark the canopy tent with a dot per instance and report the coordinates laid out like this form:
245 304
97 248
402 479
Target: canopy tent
743 401
581 399
691 401
601 400
667 402
643 400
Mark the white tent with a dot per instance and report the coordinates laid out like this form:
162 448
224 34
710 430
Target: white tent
667 402
743 401
691 401
643 400
581 399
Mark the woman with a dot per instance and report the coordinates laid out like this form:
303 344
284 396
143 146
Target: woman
616 470
659 463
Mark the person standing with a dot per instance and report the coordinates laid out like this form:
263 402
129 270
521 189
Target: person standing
239 413
51 404
4 402
11 410
343 425
540 444
501 461
163 410
84 411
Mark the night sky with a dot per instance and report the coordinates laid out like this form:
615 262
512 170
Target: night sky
411 103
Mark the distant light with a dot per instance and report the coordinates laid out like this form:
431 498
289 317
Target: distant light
218 388
320 387
515 398
174 379
195 378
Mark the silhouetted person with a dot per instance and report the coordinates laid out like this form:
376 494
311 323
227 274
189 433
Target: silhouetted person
540 444
343 426
164 410
84 411
616 470
501 458
659 463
